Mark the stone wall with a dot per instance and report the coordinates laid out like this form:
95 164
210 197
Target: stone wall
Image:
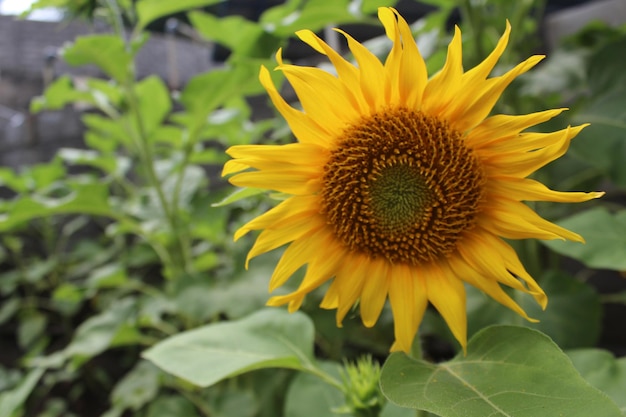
25 45
27 49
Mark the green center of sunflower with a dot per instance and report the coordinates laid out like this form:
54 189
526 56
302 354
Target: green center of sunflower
403 186
399 195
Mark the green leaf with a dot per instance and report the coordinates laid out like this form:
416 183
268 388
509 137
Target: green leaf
602 370
171 405
67 298
603 144
105 134
605 236
154 102
572 318
15 182
309 396
98 332
508 371
36 177
90 198
8 308
107 52
111 275
243 37
237 195
11 401
270 338
58 94
138 387
604 70
32 326
107 163
371 6
150 10
284 20
392 410
205 92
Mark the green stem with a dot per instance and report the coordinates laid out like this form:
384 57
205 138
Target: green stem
180 262
147 157
474 20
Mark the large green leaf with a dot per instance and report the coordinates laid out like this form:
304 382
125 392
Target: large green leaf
107 52
310 396
602 370
149 10
605 236
171 405
508 372
266 339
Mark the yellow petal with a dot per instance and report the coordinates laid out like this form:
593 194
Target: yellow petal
370 73
495 259
530 153
514 220
471 107
290 182
331 298
347 73
488 285
323 97
232 166
297 205
349 283
481 71
408 300
320 269
526 189
447 294
375 291
504 127
303 127
297 254
290 229
444 86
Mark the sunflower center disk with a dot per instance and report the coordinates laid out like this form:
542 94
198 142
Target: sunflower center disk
403 186
398 197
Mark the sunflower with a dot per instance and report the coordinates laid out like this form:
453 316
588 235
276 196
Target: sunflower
401 186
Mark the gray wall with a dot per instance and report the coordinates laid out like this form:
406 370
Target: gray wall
24 45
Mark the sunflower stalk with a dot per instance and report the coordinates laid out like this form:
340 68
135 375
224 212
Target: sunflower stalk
178 262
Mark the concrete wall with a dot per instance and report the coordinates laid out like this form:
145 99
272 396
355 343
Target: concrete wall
25 46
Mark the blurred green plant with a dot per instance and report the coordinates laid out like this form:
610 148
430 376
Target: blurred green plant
120 284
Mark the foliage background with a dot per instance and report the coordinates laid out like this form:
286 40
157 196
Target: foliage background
118 256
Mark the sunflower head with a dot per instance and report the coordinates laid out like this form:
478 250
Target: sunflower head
401 187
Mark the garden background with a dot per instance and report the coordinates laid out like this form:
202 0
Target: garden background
116 228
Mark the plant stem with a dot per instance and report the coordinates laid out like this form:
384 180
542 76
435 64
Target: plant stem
474 20
147 156
180 262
